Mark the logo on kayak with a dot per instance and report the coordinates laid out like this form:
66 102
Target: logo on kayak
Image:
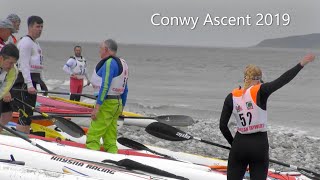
83 164
238 108
183 135
249 105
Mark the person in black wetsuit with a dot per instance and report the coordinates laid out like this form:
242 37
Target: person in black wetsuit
249 106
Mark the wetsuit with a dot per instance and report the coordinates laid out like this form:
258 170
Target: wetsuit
77 66
30 67
250 145
112 98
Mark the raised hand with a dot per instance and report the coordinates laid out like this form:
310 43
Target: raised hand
307 58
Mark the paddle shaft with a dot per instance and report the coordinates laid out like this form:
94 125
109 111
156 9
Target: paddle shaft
26 139
62 93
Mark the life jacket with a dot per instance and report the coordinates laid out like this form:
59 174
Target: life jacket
36 60
12 39
118 83
3 75
80 68
249 116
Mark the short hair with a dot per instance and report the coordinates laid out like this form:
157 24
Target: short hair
14 18
9 50
111 45
77 47
34 19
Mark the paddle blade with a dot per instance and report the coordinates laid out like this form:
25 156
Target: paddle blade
67 126
131 144
175 120
167 132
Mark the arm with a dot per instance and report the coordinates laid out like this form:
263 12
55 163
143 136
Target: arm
268 88
86 75
68 66
124 96
225 117
25 50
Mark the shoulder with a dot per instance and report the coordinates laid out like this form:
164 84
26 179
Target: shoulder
237 92
25 42
13 71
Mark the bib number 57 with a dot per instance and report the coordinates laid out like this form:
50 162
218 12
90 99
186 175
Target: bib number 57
243 119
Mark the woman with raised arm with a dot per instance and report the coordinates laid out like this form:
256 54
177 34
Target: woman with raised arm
249 106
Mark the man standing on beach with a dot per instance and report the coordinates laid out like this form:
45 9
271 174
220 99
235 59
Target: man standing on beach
30 66
76 67
16 24
8 74
111 99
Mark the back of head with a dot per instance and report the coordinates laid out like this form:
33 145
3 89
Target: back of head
14 18
111 45
9 50
251 73
7 24
34 19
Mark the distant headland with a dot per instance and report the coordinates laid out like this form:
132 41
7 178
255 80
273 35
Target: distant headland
302 41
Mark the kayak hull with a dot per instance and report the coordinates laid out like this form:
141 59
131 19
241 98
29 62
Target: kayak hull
18 172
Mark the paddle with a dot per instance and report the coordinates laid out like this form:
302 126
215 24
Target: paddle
170 133
26 139
62 93
67 126
172 120
138 146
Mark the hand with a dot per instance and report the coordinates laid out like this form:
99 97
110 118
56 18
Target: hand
74 76
94 112
7 97
32 90
307 58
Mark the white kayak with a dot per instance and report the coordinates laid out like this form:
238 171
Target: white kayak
45 161
187 170
18 172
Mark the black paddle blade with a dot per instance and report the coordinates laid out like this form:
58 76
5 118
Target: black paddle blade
67 126
175 120
167 132
131 144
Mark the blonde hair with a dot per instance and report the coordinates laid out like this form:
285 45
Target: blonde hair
251 72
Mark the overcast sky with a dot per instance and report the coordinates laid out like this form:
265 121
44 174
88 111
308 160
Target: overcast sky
129 21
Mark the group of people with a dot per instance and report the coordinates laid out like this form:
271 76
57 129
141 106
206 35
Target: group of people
248 104
21 66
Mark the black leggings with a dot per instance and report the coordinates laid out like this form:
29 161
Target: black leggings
26 97
252 150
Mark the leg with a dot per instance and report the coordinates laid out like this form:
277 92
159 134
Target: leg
79 90
98 127
110 137
6 115
24 120
236 166
259 163
73 88
43 87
